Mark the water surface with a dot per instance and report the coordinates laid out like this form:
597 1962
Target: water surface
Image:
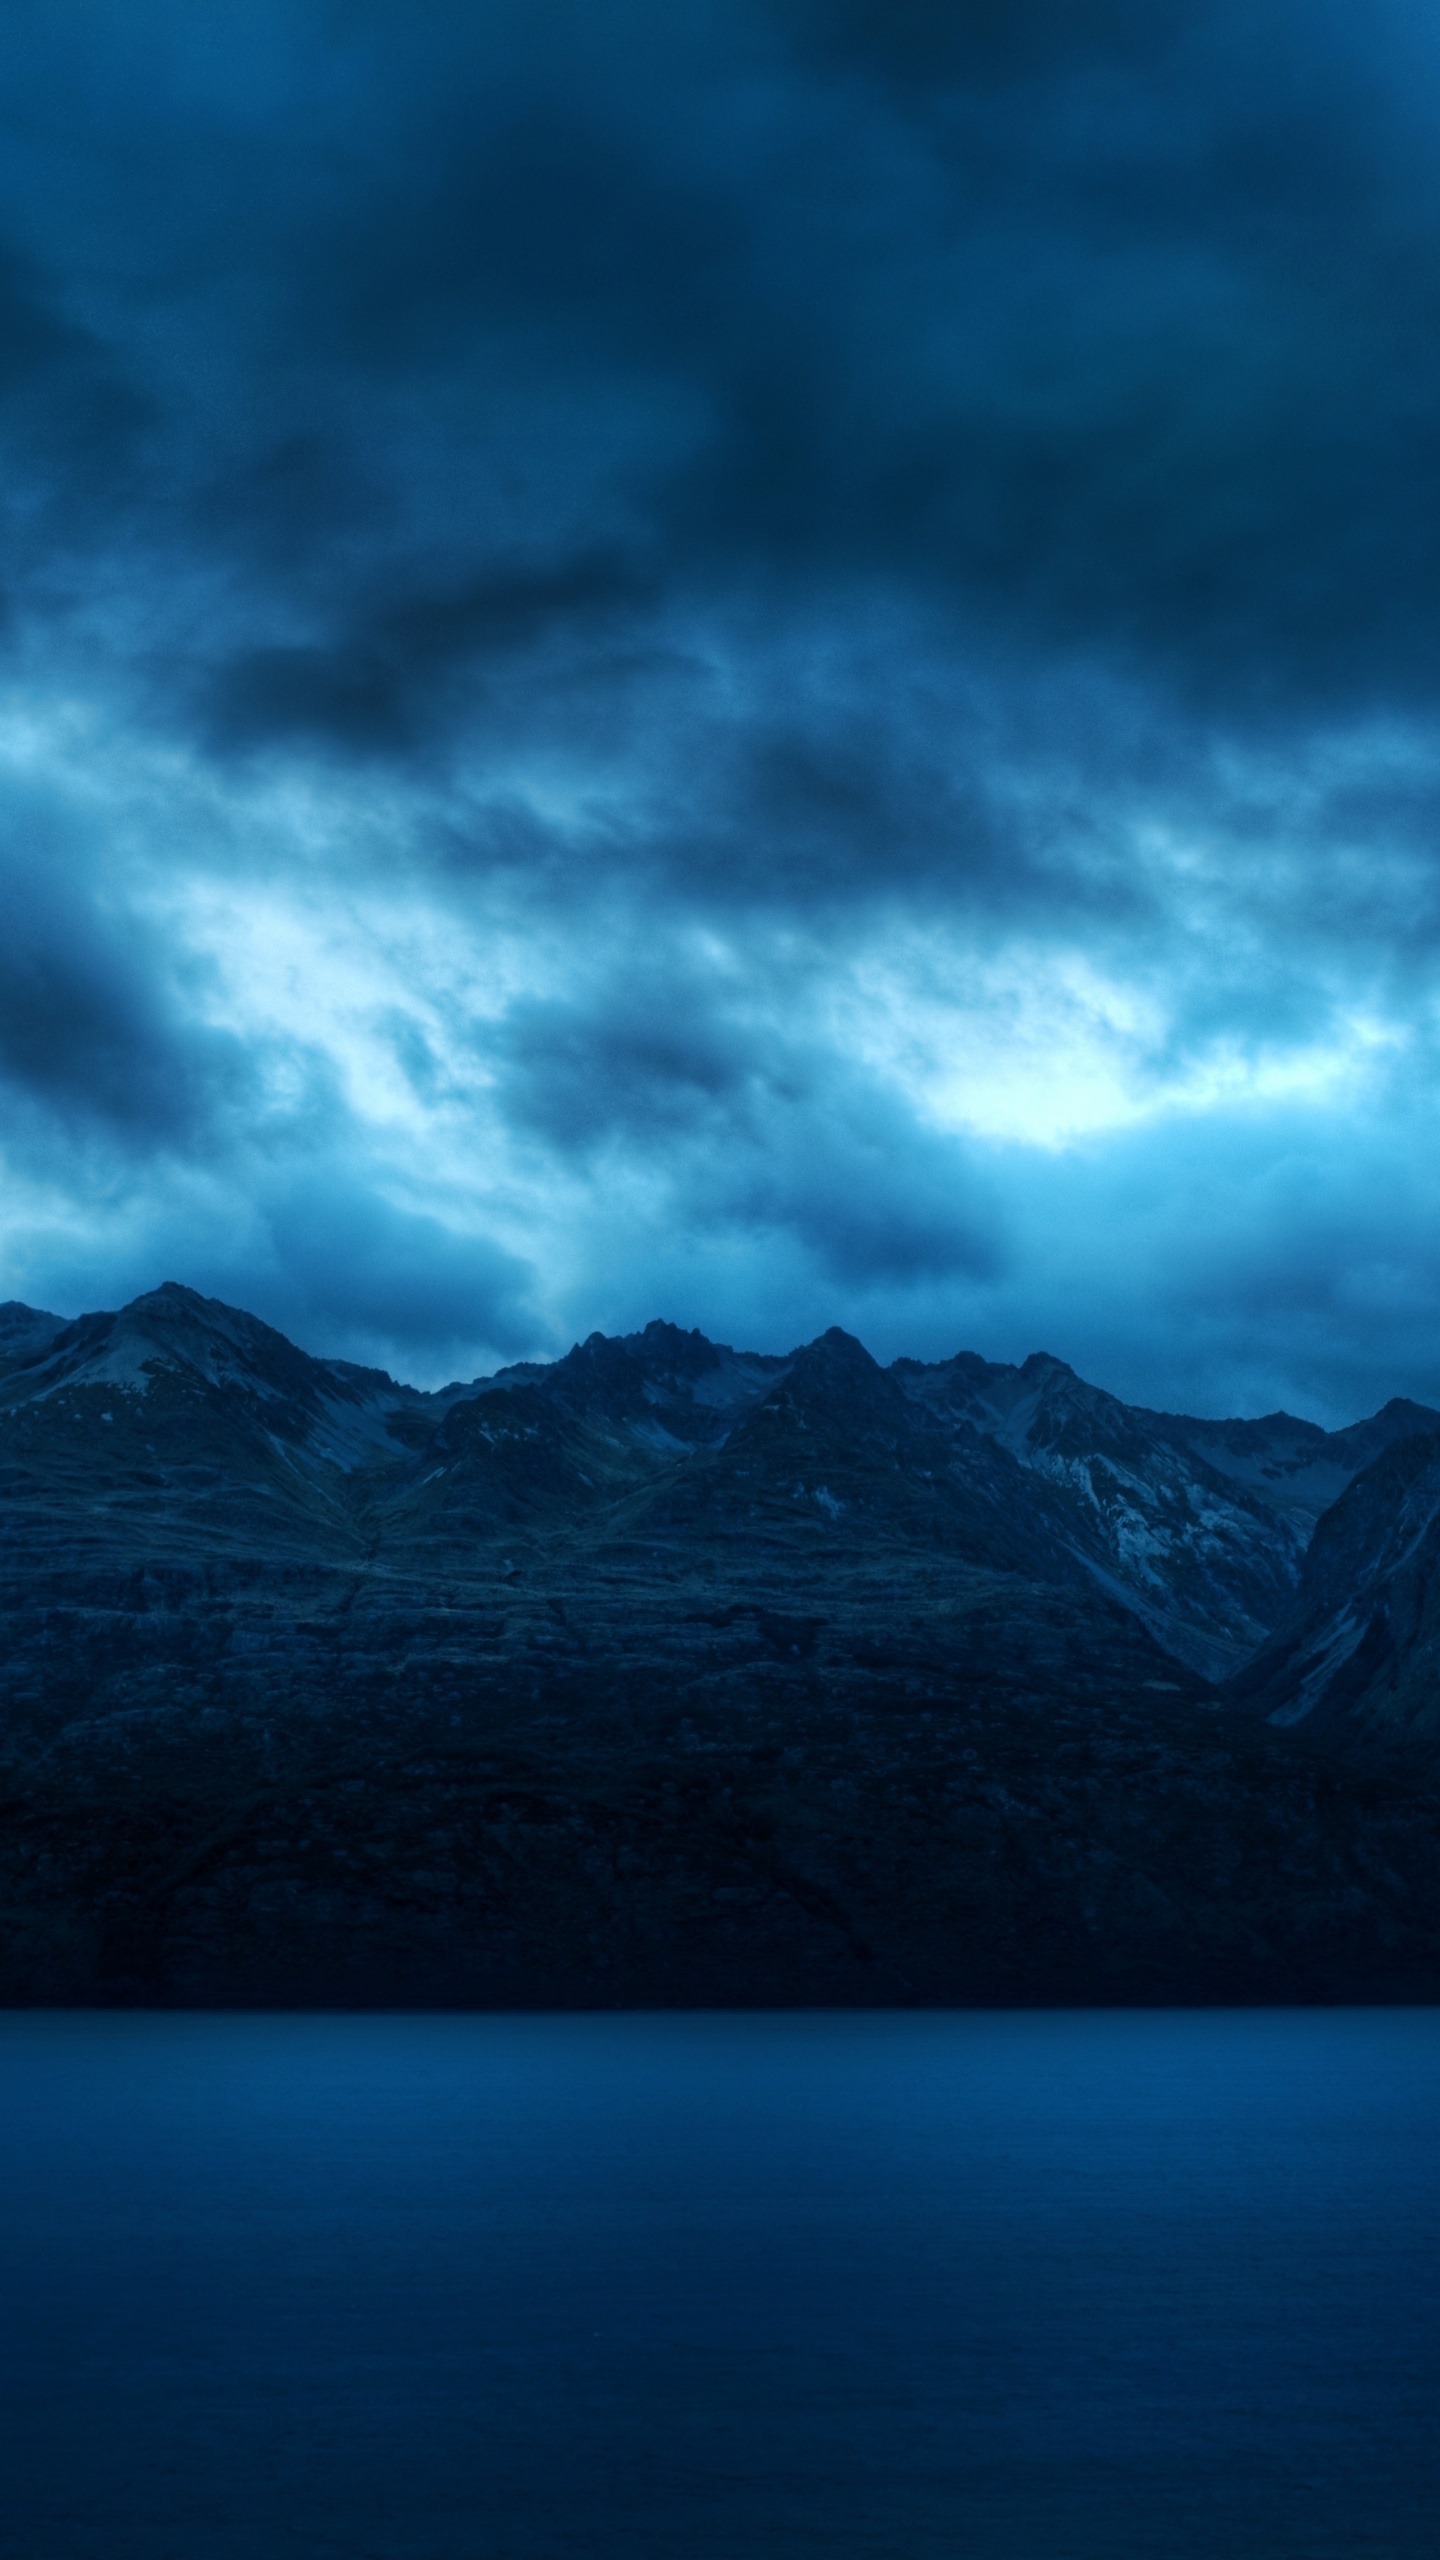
1072 2287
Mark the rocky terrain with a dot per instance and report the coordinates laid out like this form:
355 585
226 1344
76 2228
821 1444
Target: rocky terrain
1356 1659
666 1673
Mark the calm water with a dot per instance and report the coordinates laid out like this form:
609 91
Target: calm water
998 2288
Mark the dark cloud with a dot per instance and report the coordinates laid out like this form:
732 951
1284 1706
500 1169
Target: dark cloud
95 1036
34 342
929 44
74 415
467 331
290 503
751 1129
670 520
1138 356
390 680
878 1205
355 1269
654 1060
537 211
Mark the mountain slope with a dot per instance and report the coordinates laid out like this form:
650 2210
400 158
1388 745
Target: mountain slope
1205 1562
838 1456
179 1419
1294 1466
662 1672
24 1332
1201 1527
1358 1658
545 1443
185 1419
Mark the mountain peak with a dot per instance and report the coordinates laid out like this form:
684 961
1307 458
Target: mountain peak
1037 1362
835 1350
173 1299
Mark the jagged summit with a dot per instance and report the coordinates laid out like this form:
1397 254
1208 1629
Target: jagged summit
834 1355
199 1413
171 1335
669 1672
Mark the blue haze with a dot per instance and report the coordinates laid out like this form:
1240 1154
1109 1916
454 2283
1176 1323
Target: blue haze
1092 2287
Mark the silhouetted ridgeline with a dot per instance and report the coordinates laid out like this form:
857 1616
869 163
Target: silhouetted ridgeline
667 1673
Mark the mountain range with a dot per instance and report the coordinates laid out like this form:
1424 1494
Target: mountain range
664 1670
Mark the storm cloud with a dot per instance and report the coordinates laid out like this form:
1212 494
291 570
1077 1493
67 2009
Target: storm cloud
772 664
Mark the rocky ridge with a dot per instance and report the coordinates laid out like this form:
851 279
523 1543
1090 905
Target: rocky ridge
664 1671
1356 1659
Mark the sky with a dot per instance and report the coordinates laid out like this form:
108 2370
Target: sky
770 662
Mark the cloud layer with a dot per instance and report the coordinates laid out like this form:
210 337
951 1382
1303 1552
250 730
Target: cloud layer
774 664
